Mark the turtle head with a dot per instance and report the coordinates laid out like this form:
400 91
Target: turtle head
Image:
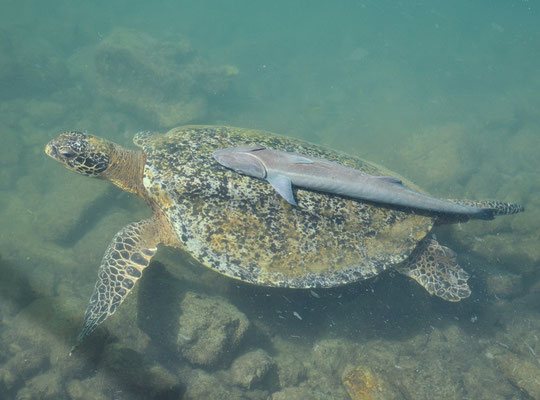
83 153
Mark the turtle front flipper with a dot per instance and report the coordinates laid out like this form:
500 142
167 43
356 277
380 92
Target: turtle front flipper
123 262
435 268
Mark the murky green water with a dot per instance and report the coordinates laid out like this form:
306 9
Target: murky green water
444 93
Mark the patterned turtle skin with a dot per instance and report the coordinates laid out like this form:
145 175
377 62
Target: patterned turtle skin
239 226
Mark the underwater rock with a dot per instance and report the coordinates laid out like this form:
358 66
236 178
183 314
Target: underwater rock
483 382
104 382
166 82
20 368
209 328
290 370
330 356
362 383
87 389
202 385
504 285
299 393
128 368
126 365
507 249
521 333
438 154
47 386
413 366
161 381
47 326
252 368
15 289
522 372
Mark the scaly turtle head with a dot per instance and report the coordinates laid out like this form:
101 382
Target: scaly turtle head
83 153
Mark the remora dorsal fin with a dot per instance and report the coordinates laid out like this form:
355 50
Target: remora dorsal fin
389 179
283 186
254 147
294 159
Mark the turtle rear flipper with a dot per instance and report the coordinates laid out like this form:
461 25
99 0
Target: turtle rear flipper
129 253
490 209
435 268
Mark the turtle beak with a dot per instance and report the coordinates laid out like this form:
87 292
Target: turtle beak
50 150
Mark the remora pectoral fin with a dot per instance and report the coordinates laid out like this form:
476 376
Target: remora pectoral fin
283 186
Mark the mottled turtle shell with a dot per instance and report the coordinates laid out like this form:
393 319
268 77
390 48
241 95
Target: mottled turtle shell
240 227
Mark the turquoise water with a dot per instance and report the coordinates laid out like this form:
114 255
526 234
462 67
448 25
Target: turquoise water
444 93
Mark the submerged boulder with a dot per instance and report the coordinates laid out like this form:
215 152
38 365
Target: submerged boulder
166 82
252 369
210 327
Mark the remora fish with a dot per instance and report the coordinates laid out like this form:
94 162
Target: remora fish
282 170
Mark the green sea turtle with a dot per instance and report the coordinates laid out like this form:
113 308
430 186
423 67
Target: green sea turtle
240 227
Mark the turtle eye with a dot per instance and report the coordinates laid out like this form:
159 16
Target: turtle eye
66 152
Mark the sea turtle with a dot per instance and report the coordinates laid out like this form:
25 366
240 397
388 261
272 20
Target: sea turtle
240 227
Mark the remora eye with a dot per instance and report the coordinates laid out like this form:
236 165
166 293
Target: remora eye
66 153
